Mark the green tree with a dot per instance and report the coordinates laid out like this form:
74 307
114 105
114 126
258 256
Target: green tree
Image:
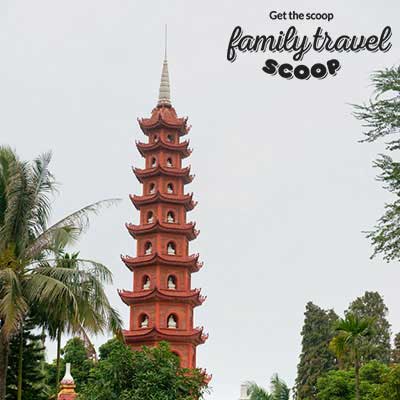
376 346
279 390
75 353
336 385
377 382
396 350
257 392
27 281
316 358
390 389
33 355
381 120
351 334
153 373
93 313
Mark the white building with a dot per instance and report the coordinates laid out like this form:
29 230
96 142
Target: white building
243 391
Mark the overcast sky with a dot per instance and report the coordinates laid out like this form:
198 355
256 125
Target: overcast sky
284 188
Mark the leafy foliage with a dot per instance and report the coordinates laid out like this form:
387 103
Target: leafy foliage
377 382
381 119
352 333
279 390
376 346
74 352
28 280
153 373
316 358
396 350
33 386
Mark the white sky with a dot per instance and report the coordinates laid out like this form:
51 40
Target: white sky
284 187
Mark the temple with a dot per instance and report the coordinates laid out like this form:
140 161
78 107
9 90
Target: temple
162 300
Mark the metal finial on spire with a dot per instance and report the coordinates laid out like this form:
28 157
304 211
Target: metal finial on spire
164 98
166 42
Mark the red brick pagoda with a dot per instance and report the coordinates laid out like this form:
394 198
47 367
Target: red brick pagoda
162 301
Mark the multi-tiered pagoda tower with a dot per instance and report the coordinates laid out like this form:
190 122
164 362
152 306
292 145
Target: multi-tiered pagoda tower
162 301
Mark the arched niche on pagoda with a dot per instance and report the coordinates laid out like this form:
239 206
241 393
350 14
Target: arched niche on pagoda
149 188
172 282
140 278
148 248
170 137
172 248
152 162
173 321
171 217
144 321
171 187
182 278
150 217
146 282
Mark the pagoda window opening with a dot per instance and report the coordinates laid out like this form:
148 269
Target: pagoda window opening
170 188
148 248
152 188
153 162
172 321
150 217
170 138
144 321
171 283
146 282
170 217
171 249
169 162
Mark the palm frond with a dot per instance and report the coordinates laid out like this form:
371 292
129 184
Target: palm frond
13 306
42 185
7 159
280 390
76 223
257 392
19 205
48 292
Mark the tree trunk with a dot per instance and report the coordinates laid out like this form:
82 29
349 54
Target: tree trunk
357 373
4 349
20 364
58 359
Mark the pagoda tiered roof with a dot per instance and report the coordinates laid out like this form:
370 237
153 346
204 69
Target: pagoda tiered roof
167 171
182 147
194 336
164 116
186 199
191 262
192 297
168 227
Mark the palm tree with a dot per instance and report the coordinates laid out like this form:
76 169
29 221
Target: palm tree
351 332
94 312
27 281
279 390
257 392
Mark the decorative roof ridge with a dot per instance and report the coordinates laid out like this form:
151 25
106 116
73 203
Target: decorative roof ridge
186 199
167 225
159 167
157 292
161 141
169 332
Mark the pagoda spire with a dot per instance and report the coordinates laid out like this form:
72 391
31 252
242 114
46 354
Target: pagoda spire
164 97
